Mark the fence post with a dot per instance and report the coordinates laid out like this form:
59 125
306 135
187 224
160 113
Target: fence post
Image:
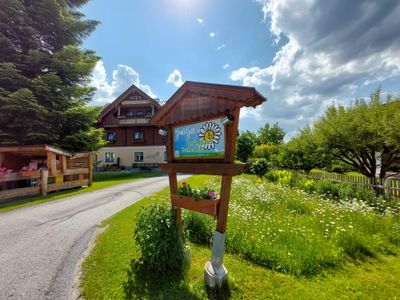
44 175
90 167
387 186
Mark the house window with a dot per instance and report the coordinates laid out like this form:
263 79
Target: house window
138 156
129 114
111 136
138 135
109 157
149 114
140 114
132 97
165 155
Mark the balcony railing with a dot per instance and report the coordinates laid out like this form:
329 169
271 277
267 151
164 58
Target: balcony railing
134 121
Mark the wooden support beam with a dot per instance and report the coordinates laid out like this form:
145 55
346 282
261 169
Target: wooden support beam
90 167
227 169
51 163
44 175
224 205
231 131
63 162
173 184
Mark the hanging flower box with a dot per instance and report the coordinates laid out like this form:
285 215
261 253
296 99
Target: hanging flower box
205 206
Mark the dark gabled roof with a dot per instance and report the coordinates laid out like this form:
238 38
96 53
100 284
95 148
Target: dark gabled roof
121 97
194 100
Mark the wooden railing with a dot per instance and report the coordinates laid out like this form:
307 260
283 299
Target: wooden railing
42 183
390 186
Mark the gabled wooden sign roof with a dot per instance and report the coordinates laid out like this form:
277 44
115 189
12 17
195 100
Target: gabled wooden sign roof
194 100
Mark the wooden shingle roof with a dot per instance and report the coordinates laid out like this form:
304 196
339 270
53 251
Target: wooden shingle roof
194 100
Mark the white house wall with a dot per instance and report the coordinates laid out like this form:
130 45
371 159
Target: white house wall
151 155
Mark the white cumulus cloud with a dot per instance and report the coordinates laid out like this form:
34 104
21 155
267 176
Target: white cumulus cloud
220 47
122 78
332 50
175 78
200 20
225 66
212 34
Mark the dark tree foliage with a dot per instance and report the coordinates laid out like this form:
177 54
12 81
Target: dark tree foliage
245 145
44 75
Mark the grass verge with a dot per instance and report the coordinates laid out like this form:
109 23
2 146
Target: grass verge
100 181
111 272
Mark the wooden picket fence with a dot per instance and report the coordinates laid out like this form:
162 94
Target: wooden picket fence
390 187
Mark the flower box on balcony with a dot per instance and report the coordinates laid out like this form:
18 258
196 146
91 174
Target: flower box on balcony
209 207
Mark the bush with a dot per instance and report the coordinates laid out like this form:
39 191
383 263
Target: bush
259 167
327 187
265 151
245 146
157 237
282 177
199 228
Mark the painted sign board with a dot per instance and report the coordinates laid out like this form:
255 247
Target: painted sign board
203 139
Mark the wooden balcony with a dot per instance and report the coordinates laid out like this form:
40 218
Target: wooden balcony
134 121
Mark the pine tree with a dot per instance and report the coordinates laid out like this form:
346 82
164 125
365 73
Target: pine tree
44 75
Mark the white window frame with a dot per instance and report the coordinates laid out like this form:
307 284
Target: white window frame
134 157
109 161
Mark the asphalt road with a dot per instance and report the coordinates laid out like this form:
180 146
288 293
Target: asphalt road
41 245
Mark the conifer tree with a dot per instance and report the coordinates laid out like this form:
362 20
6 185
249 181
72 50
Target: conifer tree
44 75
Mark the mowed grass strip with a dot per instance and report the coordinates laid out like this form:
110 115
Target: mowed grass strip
110 272
100 181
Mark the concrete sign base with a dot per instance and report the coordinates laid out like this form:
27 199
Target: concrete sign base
215 273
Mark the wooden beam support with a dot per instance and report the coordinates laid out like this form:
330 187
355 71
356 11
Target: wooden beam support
230 138
227 169
173 184
63 163
90 167
224 205
51 163
44 175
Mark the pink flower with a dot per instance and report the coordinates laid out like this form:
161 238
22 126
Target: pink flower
184 184
212 194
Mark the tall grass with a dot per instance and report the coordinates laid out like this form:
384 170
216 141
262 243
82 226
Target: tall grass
296 232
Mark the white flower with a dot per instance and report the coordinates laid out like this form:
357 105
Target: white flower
211 133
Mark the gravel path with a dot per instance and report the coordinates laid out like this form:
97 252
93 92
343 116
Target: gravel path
41 245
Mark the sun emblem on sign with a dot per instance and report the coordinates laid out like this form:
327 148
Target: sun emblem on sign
210 133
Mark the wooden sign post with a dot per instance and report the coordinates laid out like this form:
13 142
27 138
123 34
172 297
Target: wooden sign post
201 122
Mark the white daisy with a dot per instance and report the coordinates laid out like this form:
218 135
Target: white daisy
210 133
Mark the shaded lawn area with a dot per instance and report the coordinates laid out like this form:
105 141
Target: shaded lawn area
112 270
100 181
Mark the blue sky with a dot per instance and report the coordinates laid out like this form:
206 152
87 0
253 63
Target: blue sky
301 55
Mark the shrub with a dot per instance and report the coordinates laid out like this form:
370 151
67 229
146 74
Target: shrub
265 151
327 187
157 237
259 167
245 146
199 228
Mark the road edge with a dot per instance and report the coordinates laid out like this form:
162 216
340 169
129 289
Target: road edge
76 291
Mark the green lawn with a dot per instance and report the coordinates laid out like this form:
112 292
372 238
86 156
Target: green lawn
100 181
277 248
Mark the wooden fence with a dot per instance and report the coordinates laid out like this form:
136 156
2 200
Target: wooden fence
390 186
